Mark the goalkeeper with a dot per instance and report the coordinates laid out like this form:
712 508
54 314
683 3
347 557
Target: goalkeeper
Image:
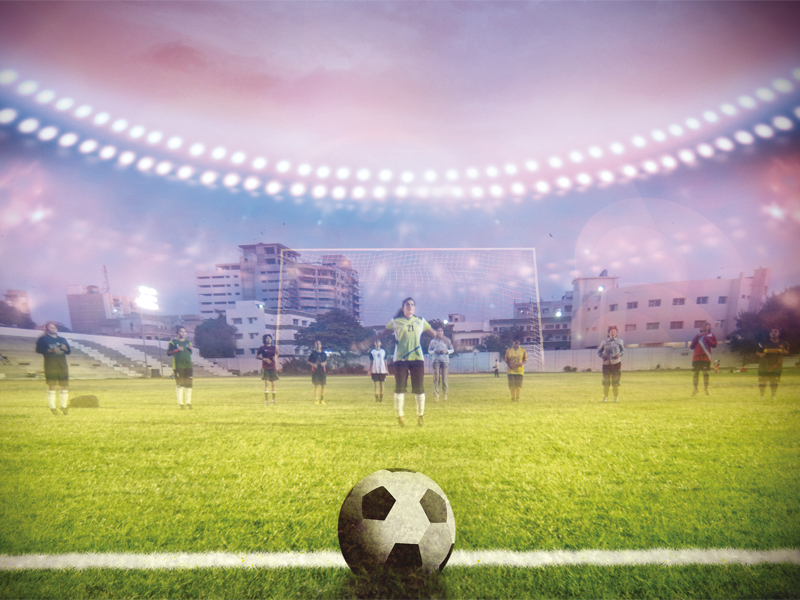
770 363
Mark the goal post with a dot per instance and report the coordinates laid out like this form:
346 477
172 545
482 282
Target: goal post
484 290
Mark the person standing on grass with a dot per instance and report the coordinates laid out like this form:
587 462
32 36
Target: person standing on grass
268 354
770 363
516 357
440 350
496 369
318 359
377 369
702 344
611 350
408 358
180 349
55 348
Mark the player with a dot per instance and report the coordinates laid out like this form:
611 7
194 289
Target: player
611 350
408 358
180 349
377 369
770 364
55 348
268 354
515 358
318 359
440 349
496 369
702 344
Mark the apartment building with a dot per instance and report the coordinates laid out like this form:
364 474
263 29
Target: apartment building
304 286
253 319
661 314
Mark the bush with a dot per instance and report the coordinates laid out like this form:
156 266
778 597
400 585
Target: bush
296 366
569 369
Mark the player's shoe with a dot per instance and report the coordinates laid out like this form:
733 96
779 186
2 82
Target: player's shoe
419 420
322 401
436 398
445 399
316 401
616 398
706 391
55 412
605 399
401 421
65 411
182 406
189 406
694 393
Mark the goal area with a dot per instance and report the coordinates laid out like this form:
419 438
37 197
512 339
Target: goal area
481 291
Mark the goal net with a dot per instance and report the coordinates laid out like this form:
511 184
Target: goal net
482 291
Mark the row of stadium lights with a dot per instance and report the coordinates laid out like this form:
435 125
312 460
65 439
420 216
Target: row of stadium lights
666 162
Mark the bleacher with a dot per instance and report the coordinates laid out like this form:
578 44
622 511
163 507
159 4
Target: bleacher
93 357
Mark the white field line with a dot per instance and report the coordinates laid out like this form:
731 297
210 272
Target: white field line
460 558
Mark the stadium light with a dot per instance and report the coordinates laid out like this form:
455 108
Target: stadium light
559 313
147 300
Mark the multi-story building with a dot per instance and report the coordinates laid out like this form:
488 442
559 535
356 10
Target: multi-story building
89 308
253 319
311 287
664 313
556 317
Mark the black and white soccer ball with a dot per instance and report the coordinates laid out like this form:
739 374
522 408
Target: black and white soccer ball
397 519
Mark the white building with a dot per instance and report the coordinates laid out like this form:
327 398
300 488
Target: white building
253 319
311 287
661 314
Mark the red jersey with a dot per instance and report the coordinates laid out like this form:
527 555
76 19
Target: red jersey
709 340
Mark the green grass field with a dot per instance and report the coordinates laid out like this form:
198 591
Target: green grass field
560 470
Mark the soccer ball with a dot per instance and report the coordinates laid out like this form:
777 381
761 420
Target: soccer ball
397 519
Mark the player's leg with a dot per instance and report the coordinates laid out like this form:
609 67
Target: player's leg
762 384
52 386
445 378
606 381
706 373
436 376
400 384
615 377
695 377
417 372
322 393
64 395
773 385
187 387
511 386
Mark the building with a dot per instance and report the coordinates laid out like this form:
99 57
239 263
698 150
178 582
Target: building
556 318
310 287
90 309
468 334
18 299
252 319
661 314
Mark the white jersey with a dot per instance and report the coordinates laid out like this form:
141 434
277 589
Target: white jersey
377 363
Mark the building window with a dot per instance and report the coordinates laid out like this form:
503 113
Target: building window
720 324
630 327
651 326
653 303
253 336
633 305
253 350
613 307
295 321
678 301
240 351
722 300
702 299
568 308
676 325
237 321
699 324
239 336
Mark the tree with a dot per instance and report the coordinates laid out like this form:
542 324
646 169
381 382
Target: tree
500 343
338 331
780 310
12 317
215 338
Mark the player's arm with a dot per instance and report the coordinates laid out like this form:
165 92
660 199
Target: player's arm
65 346
41 347
171 349
711 339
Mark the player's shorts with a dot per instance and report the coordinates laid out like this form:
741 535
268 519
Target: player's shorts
183 377
612 373
402 370
56 376
269 375
514 380
379 377
319 377
701 365
769 377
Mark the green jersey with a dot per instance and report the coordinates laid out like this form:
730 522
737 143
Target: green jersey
182 357
408 333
